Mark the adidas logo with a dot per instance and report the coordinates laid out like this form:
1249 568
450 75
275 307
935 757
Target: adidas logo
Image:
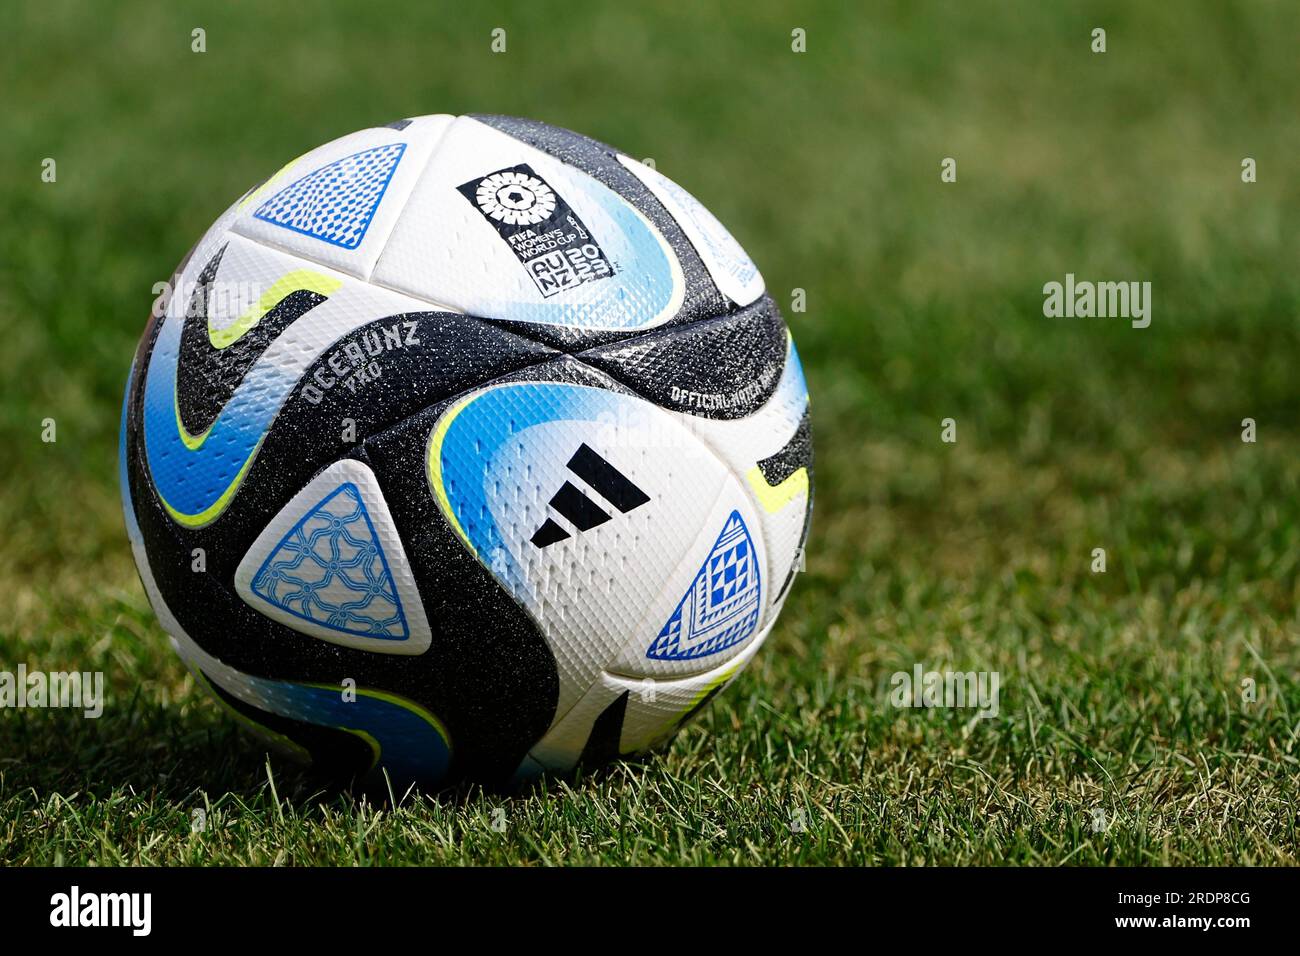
579 510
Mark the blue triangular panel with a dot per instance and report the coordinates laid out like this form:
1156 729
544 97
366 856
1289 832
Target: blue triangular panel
336 202
330 570
722 606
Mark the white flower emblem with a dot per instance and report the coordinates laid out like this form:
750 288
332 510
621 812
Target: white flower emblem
515 198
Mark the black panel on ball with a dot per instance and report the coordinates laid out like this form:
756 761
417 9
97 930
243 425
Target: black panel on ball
718 368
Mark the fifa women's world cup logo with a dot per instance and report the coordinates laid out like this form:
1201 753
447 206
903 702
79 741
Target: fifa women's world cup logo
515 198
553 244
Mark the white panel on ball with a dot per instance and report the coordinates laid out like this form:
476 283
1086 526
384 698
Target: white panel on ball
604 578
337 204
498 228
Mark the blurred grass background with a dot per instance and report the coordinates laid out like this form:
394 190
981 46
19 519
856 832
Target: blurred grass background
1122 692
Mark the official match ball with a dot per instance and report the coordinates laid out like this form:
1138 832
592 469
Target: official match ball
466 448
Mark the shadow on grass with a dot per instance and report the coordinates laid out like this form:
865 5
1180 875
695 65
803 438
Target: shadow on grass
145 748
173 754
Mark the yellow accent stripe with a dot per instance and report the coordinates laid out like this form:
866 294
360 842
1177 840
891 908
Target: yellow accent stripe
376 751
414 708
297 281
774 498
267 186
261 730
218 506
667 729
192 442
375 748
435 469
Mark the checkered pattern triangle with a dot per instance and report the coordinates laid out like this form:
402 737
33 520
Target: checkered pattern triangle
336 202
721 608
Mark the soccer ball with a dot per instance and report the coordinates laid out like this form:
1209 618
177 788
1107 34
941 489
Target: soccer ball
466 448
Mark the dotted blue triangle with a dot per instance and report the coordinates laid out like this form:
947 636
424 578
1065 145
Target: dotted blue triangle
722 606
336 202
330 570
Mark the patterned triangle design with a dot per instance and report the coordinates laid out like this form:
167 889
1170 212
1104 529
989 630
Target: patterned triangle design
336 202
330 569
722 606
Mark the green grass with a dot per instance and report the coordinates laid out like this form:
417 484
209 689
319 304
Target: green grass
1120 691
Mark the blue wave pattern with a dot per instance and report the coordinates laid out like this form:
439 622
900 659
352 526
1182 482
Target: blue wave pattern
471 455
330 569
192 483
721 608
408 742
793 387
336 203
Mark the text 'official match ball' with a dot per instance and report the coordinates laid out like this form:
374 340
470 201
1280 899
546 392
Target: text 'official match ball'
466 447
